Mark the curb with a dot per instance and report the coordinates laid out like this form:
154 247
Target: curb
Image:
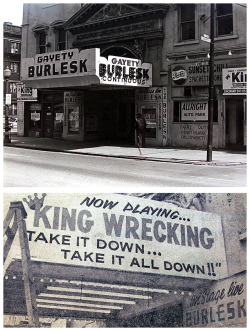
152 159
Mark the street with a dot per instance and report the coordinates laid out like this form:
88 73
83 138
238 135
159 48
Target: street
35 168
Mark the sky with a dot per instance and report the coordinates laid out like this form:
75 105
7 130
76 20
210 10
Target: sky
12 11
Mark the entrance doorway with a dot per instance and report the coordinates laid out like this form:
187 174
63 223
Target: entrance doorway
110 116
235 117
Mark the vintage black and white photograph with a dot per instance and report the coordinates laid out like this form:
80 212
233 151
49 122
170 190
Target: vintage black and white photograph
125 260
102 100
136 93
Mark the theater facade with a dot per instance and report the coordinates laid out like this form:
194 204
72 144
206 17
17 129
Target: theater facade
95 66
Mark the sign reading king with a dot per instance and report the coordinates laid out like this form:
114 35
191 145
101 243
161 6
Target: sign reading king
235 81
121 232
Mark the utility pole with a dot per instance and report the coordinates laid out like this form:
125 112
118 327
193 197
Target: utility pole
211 88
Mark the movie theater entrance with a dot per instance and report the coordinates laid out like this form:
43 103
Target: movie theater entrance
110 116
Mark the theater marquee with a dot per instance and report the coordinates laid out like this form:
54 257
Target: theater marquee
124 233
87 67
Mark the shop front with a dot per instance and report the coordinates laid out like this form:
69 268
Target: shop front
83 96
189 91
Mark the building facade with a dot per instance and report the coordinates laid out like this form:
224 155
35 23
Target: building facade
139 66
12 36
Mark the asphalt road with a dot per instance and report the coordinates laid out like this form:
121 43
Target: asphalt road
34 168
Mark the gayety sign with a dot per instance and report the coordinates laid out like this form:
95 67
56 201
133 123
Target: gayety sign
124 233
74 63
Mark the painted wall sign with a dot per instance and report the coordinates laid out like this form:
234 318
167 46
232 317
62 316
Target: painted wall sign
221 305
235 81
127 233
26 93
73 111
196 74
194 111
124 71
157 98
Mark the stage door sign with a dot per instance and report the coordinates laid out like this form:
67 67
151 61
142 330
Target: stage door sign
124 233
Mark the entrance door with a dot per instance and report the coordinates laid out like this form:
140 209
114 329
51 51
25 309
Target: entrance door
234 123
47 120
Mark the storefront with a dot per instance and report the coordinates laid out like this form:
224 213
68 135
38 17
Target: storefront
83 96
189 91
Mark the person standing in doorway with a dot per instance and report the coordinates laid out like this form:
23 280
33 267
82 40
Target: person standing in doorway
140 128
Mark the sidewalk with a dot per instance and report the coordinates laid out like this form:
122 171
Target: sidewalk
175 155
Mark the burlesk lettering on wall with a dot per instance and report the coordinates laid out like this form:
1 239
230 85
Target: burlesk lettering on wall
220 305
127 233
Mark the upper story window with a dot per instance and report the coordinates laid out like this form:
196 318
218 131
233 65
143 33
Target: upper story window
41 42
61 39
14 67
13 88
224 19
15 47
187 21
41 32
60 35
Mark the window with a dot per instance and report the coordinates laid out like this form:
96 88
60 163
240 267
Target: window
14 67
14 47
41 42
13 88
224 19
13 109
187 22
61 43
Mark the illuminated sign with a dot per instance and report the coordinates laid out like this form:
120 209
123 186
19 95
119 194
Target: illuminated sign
235 81
68 63
74 63
126 233
124 71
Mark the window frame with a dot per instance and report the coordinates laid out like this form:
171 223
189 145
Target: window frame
224 16
180 23
39 44
15 67
16 46
58 42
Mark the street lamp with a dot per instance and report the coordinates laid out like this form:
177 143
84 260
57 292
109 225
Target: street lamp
7 73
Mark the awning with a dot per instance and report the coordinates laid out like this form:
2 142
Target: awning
81 292
77 81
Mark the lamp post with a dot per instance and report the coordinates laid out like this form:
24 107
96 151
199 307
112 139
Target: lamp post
7 73
211 89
